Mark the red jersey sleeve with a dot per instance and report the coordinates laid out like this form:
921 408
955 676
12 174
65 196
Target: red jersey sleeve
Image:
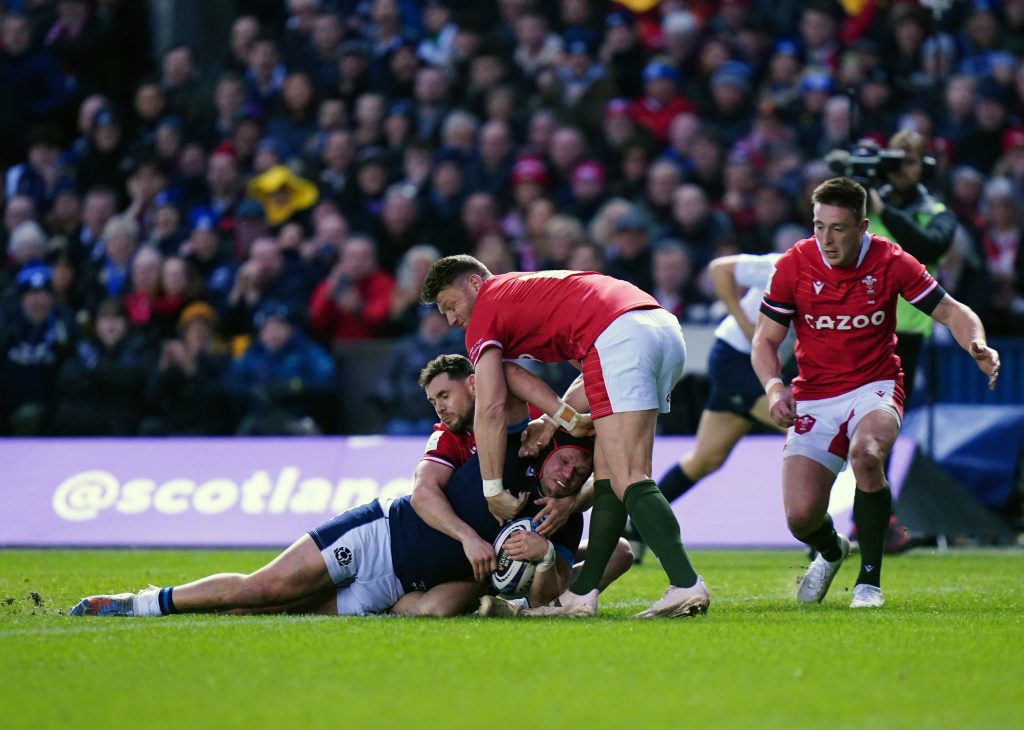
779 302
484 330
445 447
914 282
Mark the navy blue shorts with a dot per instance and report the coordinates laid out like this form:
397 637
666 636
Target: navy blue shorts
734 385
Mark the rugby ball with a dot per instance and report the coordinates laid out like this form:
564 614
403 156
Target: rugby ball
513 577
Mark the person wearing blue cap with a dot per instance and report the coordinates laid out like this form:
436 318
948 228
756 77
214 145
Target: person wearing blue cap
36 336
205 252
662 100
730 91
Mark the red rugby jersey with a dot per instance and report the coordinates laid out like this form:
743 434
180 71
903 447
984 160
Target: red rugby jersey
845 318
551 316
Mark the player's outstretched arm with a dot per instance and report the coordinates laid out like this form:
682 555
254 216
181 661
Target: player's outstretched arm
969 333
764 356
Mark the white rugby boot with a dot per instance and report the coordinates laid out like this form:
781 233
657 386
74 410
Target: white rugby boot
867 596
679 602
567 604
819 575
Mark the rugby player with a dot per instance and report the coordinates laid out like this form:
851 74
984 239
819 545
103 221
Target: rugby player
839 290
631 352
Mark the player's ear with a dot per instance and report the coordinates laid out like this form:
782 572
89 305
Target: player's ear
475 282
471 383
863 226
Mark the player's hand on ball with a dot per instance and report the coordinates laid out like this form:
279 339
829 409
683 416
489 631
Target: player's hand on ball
504 506
554 513
526 546
480 555
781 407
988 361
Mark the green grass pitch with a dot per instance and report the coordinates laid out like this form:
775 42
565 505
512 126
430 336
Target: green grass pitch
947 651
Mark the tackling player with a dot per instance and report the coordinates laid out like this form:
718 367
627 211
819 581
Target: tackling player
839 290
631 353
378 557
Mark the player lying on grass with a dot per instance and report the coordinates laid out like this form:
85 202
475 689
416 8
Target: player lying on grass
384 556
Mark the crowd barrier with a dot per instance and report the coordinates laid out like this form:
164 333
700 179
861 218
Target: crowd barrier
266 492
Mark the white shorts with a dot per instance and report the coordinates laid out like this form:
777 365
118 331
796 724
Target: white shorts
635 363
824 427
356 548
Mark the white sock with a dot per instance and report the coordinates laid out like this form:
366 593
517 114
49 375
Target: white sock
521 602
147 603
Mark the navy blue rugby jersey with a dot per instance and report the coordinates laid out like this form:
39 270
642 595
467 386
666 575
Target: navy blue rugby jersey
424 557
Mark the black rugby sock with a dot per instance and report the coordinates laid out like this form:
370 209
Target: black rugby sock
674 483
871 512
825 540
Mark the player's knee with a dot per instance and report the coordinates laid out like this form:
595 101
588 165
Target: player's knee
801 520
866 456
261 590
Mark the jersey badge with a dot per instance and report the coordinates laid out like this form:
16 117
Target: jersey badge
343 555
804 424
869 281
818 285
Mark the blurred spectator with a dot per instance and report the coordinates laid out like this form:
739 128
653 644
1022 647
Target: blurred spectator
1001 242
184 394
295 123
268 274
622 54
562 233
352 303
632 246
662 99
587 188
32 87
284 383
36 336
105 159
208 257
586 257
397 390
143 290
40 175
705 232
771 209
674 285
663 178
107 272
101 387
403 309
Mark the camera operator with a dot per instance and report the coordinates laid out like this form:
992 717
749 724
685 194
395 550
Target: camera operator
903 210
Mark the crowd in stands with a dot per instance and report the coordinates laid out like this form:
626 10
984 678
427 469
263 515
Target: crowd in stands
186 249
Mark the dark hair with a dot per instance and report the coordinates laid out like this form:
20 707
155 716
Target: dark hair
843 193
457 367
444 272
